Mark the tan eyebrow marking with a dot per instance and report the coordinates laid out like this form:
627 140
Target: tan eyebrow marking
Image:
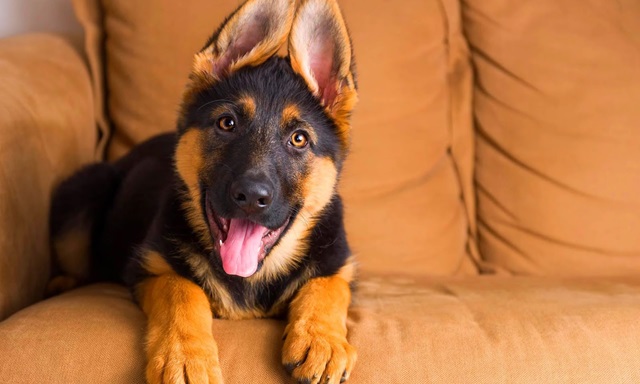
290 113
248 104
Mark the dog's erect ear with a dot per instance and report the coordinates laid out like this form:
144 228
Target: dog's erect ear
252 34
320 51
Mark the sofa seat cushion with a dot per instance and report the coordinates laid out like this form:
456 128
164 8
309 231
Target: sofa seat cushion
480 330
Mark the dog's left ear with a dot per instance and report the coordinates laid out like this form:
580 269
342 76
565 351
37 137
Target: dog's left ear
252 34
320 51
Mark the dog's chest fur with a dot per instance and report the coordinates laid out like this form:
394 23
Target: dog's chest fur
235 299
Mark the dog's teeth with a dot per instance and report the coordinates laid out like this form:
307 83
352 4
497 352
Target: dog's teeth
221 243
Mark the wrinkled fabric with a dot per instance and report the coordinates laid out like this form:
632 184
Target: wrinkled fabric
473 330
557 98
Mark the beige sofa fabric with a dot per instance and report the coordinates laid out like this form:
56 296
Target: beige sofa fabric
557 105
46 132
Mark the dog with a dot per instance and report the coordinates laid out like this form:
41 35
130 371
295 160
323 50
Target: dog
235 215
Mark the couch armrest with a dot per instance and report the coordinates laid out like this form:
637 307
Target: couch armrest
47 130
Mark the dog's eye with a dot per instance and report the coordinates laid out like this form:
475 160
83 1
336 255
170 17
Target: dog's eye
226 123
299 139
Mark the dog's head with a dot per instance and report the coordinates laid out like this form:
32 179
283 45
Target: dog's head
263 137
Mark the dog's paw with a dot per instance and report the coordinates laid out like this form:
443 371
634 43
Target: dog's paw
315 353
183 360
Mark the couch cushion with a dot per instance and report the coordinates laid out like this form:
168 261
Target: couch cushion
557 109
408 182
478 330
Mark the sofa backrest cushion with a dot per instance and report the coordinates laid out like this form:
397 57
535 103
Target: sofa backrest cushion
557 107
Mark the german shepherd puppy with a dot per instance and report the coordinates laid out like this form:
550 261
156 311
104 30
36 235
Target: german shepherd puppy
236 216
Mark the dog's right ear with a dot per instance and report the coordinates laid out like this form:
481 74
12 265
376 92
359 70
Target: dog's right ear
248 37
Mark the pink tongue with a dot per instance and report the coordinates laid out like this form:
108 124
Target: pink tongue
241 250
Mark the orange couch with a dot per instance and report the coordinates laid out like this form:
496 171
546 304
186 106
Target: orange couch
492 193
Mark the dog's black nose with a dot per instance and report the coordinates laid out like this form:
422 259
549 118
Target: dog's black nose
252 195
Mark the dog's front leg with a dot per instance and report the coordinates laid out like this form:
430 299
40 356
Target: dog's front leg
315 347
179 346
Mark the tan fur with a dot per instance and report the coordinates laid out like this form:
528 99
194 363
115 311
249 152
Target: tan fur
180 346
348 271
341 111
319 186
189 162
202 70
290 113
316 345
155 264
248 104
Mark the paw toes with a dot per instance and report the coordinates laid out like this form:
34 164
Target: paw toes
295 349
215 375
174 374
153 376
196 372
293 358
335 367
155 370
179 368
317 358
352 356
315 363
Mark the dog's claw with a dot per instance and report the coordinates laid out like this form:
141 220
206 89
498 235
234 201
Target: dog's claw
290 367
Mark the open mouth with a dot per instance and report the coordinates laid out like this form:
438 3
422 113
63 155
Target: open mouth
242 244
